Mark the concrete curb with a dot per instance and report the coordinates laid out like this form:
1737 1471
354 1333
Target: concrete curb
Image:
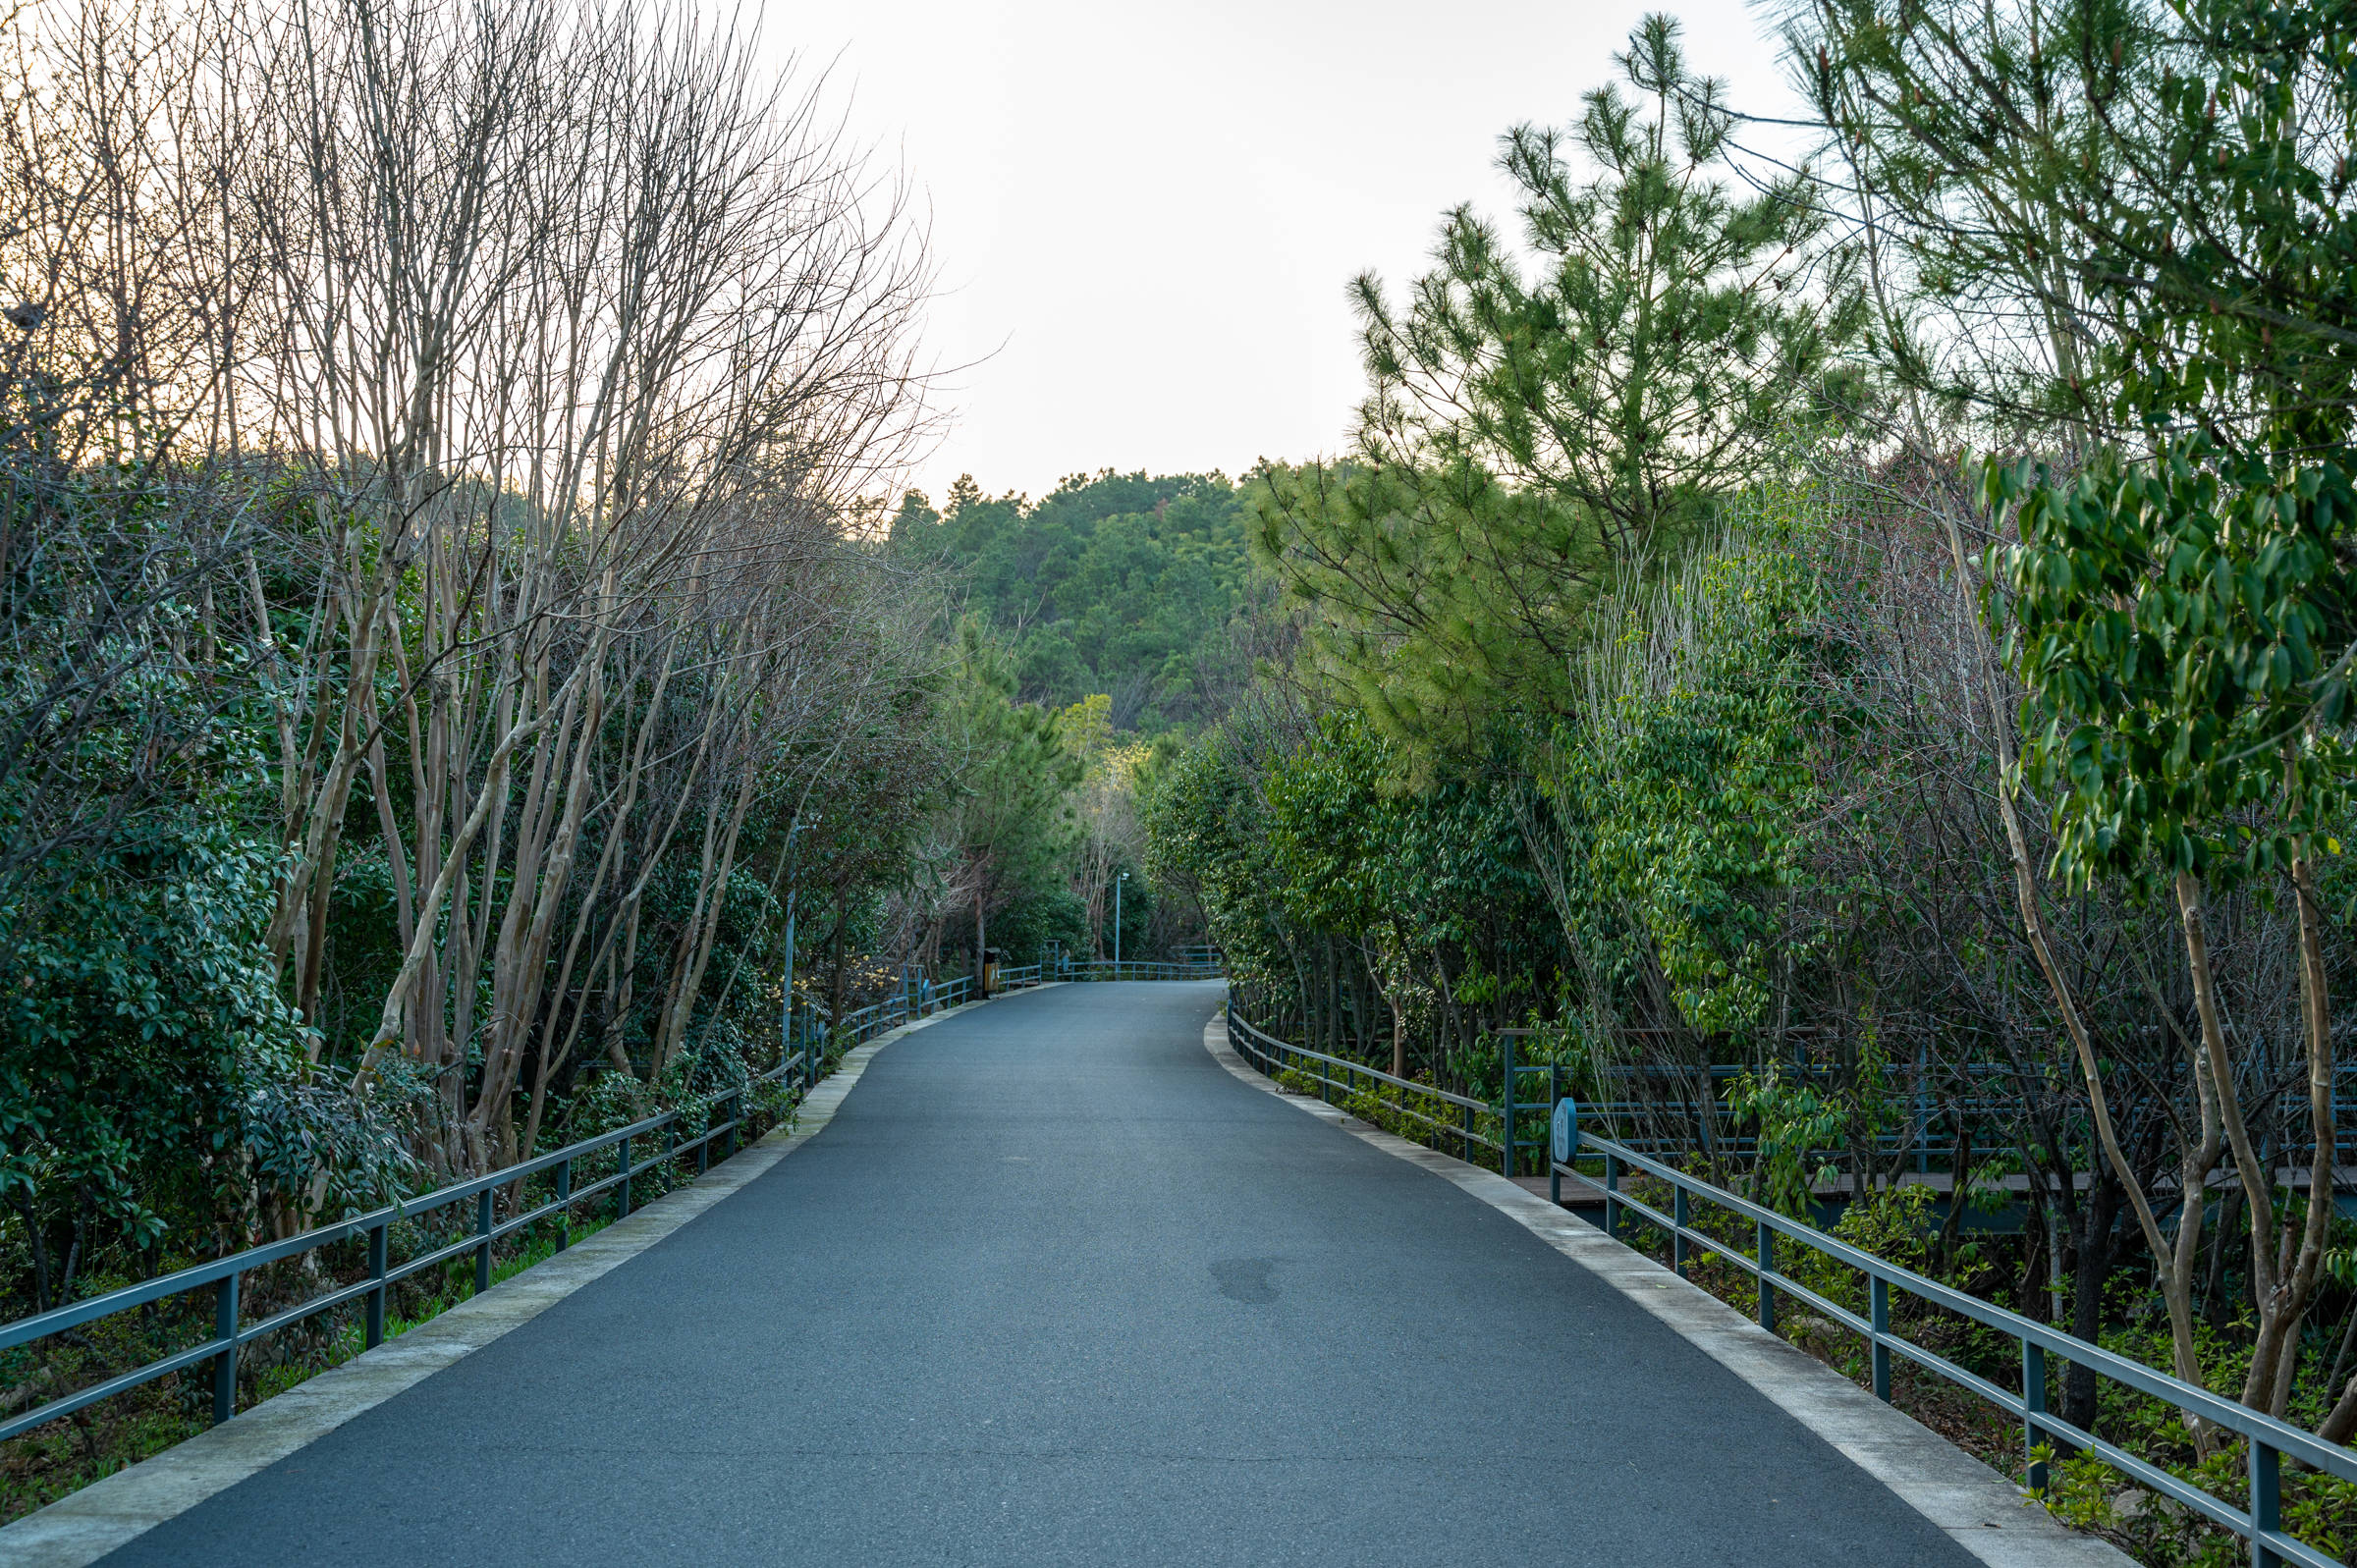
82 1528
1975 1507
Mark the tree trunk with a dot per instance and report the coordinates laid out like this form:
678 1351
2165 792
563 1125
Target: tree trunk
2097 1254
1951 1229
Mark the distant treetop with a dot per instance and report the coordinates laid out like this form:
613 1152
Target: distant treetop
1110 584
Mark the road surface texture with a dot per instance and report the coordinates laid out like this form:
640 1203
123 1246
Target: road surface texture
1054 1288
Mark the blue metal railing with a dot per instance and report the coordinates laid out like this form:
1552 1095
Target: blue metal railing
222 1276
1902 1084
2268 1441
1137 969
1279 1056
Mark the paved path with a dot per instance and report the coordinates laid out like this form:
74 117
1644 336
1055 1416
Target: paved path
1056 1288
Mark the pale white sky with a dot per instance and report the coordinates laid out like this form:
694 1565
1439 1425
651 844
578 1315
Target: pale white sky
1146 215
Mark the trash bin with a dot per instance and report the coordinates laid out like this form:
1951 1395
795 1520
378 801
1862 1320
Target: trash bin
990 971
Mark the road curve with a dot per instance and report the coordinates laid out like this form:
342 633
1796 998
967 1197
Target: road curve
1056 1288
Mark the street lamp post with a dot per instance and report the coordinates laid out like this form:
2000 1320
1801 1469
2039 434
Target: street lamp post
1117 923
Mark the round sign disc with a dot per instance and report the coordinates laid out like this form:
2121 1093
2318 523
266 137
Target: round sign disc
1566 1131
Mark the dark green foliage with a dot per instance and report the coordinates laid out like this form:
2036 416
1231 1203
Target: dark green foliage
150 1074
1112 583
1685 789
1050 913
2181 628
1322 878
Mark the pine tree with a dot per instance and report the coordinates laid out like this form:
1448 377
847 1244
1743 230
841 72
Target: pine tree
1540 423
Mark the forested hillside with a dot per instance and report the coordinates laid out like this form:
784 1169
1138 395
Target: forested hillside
1113 584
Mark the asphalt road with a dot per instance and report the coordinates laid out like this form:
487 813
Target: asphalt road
1053 1289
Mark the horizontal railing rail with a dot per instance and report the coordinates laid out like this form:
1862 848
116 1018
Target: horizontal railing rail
1137 969
222 1276
1277 1058
2268 1440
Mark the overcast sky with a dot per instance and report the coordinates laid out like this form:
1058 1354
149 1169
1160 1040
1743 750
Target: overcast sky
1146 214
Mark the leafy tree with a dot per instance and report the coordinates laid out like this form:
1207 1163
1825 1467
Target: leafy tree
153 1085
1334 829
1206 841
2174 622
1108 844
1013 822
1686 782
1402 924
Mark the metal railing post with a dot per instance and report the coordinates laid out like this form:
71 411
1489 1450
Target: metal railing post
2033 1405
225 1363
1467 1134
564 1206
1680 1212
1505 1138
1764 1248
622 1193
1555 1102
2266 1504
1612 1195
376 1296
1878 1291
482 1246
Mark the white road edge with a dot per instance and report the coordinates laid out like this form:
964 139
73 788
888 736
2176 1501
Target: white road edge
1975 1507
82 1528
